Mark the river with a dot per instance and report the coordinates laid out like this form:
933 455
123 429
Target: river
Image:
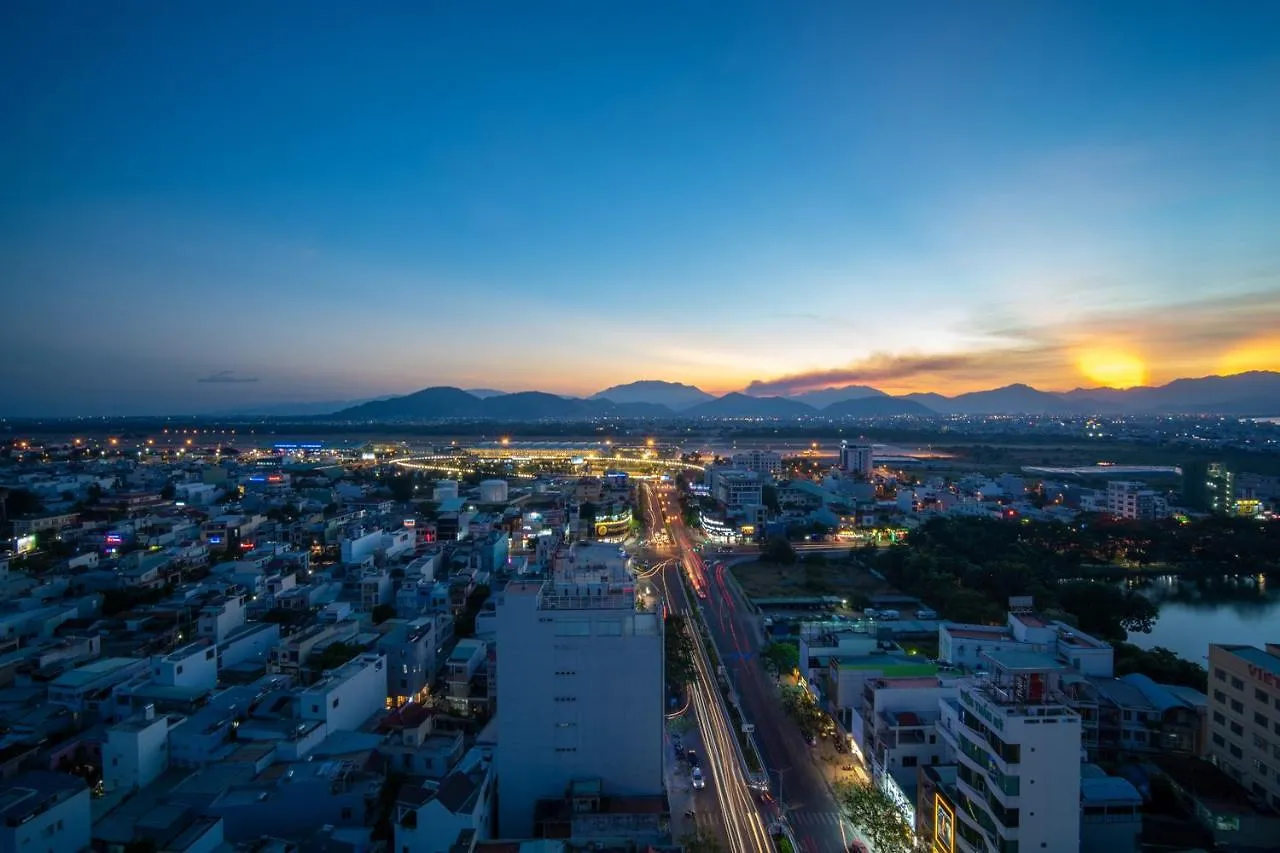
1195 613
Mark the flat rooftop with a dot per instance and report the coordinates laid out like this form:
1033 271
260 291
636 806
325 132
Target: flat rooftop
1019 661
1255 656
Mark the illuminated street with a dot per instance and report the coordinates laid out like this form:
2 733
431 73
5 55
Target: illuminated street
743 828
798 777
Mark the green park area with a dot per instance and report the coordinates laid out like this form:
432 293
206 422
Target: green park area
810 575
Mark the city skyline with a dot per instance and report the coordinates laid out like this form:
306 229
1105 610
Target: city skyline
208 210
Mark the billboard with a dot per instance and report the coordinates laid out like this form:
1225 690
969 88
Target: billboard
944 826
25 544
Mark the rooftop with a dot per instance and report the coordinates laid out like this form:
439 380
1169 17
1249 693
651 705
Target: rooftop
1256 657
35 791
1013 660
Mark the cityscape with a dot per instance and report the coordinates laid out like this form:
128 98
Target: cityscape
640 428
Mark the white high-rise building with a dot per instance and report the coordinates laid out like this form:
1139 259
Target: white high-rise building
856 459
1018 751
582 685
758 461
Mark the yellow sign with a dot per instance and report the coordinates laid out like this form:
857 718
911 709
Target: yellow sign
944 826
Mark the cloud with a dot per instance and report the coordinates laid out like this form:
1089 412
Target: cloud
897 369
1223 333
226 377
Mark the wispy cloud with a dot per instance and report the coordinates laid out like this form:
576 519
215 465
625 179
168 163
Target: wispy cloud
1225 334
226 377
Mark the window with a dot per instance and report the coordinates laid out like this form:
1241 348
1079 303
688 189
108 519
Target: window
1219 696
1261 695
1219 673
1236 683
336 699
1237 729
1127 715
346 813
1237 706
1219 718
179 669
1235 751
1260 768
1219 740
909 761
1261 720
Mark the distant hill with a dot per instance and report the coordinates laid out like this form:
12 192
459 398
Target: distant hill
1017 399
877 407
824 397
1254 393
428 404
736 405
482 393
673 395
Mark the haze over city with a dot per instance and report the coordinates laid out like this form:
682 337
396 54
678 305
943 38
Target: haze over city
208 207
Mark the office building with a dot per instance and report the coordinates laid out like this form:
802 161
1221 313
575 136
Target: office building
1018 748
582 685
855 459
1244 716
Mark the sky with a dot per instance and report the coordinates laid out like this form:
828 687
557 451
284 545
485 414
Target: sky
208 206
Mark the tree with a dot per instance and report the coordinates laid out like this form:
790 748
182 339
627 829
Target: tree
168 491
874 813
382 612
769 497
401 487
780 658
679 651
700 841
587 512
778 550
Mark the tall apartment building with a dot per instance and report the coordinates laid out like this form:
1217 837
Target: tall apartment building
1244 716
1018 750
764 462
582 686
1133 500
856 459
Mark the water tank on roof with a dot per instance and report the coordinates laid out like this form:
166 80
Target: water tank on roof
444 490
493 491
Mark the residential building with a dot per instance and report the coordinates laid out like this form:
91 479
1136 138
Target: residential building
736 489
193 665
589 702
45 812
347 696
87 689
1110 812
430 817
762 462
1019 754
136 751
856 459
1134 501
468 693
219 618
291 656
1244 716
413 648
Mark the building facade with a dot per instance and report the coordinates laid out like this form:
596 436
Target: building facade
583 685
1244 716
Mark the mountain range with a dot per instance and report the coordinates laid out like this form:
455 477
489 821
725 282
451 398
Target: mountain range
1245 394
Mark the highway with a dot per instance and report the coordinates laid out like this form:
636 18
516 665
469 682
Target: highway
798 779
742 827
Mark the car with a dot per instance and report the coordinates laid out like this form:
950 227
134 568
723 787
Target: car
725 550
699 781
692 757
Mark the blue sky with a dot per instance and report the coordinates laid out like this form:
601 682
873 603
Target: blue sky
339 203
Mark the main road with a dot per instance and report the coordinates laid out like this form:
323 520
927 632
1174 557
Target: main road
743 827
799 781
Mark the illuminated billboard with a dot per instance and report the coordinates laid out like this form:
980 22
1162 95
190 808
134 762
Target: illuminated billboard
26 544
944 826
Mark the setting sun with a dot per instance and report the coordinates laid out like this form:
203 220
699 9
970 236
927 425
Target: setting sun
1113 369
